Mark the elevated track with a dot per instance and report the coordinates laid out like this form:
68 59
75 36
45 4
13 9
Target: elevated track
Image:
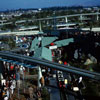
36 61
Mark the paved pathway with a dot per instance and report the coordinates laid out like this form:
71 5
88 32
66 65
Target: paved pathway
54 93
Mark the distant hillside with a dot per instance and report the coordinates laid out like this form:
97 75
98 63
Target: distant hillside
62 8
90 3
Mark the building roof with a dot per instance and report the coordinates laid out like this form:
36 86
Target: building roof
44 53
47 40
34 44
64 42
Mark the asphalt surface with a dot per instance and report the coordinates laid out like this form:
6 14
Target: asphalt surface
68 94
54 90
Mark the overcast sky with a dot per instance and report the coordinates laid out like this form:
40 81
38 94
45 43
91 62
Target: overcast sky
16 4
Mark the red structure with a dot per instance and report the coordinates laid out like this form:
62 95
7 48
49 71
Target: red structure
65 63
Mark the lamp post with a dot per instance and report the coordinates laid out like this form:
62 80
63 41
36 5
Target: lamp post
40 26
54 21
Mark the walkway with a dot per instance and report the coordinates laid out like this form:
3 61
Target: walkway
54 93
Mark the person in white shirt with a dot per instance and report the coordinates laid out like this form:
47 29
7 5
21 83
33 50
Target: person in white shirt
14 83
80 80
3 81
12 89
5 98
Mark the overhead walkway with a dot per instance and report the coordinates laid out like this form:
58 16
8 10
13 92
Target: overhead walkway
31 61
74 15
20 33
94 29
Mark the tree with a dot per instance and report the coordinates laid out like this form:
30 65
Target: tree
11 43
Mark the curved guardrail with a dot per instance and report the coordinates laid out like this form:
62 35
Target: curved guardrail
37 61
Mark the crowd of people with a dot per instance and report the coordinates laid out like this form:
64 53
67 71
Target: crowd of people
8 81
11 83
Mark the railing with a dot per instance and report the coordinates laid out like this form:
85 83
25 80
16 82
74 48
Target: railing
36 61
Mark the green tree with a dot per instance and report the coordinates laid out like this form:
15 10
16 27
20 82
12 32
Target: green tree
11 43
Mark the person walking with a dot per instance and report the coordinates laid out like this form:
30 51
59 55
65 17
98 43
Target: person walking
30 92
11 90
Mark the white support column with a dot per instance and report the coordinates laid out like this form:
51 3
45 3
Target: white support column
39 76
16 37
81 18
66 19
47 22
97 17
40 26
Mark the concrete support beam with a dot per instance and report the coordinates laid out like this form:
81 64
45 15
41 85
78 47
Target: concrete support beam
81 17
66 19
40 26
47 22
97 17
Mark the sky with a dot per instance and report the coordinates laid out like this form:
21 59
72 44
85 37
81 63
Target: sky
16 4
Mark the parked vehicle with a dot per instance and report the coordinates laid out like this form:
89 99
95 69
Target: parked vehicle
60 79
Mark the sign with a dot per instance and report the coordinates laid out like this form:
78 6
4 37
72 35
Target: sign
53 47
